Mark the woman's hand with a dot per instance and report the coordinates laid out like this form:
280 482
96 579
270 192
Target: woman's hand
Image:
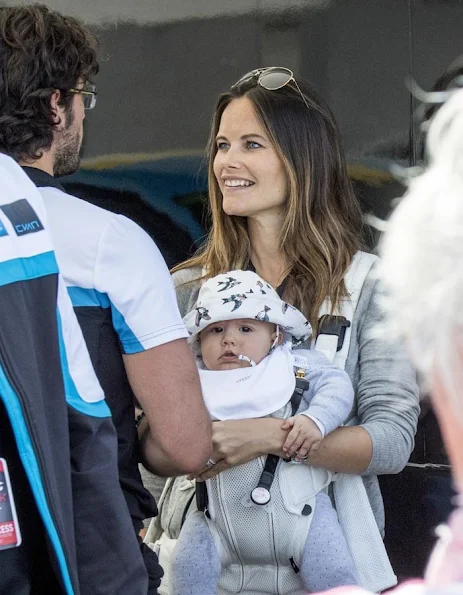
236 442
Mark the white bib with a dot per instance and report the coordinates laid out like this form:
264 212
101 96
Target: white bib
252 392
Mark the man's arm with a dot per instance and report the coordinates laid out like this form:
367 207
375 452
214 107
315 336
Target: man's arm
175 436
159 365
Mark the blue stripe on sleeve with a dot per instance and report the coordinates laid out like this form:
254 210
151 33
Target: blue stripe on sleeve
130 342
88 297
31 267
31 466
73 398
91 297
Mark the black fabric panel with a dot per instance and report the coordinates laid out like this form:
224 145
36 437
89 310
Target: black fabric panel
105 352
29 355
25 569
119 567
41 179
155 572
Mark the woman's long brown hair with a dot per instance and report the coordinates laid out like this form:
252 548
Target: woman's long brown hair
322 229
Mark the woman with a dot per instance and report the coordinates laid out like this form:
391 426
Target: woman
282 204
422 256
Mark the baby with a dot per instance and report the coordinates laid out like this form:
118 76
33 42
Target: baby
269 525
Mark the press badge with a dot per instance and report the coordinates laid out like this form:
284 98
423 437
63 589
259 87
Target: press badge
10 535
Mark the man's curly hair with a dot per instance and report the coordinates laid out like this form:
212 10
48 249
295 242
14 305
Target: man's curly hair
40 51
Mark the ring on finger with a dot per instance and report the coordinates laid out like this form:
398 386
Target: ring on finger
210 463
297 457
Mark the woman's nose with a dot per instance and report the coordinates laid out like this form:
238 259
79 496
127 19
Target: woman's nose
232 158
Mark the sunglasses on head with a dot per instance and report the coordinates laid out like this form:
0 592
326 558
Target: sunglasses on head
271 79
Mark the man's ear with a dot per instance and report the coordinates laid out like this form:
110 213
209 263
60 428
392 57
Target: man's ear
57 111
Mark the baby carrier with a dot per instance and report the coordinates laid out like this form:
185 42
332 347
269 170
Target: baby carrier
269 501
293 491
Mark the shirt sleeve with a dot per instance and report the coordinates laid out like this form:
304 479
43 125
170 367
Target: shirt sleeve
387 391
187 284
131 271
317 422
330 394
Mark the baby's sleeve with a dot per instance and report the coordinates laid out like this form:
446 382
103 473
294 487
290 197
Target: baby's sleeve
330 395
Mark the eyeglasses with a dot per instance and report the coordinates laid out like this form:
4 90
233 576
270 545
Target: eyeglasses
88 95
271 79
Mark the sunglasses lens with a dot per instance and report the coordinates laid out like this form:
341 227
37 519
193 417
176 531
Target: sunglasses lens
246 77
275 79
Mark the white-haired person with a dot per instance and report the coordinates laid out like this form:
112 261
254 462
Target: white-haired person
422 268
270 512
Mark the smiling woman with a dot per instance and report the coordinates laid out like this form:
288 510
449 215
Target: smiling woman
282 205
248 169
300 206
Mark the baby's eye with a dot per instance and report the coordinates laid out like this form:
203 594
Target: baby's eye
246 329
252 144
216 329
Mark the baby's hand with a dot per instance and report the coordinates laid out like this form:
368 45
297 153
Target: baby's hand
304 437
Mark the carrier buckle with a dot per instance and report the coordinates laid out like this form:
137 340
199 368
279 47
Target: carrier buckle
334 325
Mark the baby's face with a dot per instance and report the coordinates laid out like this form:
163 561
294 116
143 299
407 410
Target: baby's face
222 343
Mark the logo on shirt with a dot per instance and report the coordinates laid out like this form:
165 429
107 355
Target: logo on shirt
3 231
23 217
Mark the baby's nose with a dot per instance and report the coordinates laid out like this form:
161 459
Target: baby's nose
229 339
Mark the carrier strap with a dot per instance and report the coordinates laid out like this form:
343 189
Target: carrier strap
301 386
333 337
271 461
201 496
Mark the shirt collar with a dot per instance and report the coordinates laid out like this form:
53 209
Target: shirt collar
41 179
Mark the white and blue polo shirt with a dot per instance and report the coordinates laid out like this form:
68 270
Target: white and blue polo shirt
108 261
125 302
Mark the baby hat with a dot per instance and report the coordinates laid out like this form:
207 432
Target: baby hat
243 294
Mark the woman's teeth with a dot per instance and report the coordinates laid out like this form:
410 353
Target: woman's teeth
235 183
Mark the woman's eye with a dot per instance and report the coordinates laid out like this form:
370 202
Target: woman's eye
222 146
252 144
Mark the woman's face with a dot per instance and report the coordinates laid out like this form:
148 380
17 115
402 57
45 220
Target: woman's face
248 170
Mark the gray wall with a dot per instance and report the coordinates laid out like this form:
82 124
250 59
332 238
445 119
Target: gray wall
158 82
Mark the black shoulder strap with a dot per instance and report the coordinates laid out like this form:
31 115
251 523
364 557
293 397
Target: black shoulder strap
301 386
201 496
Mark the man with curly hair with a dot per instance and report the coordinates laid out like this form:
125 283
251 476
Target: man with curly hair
117 280
46 59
